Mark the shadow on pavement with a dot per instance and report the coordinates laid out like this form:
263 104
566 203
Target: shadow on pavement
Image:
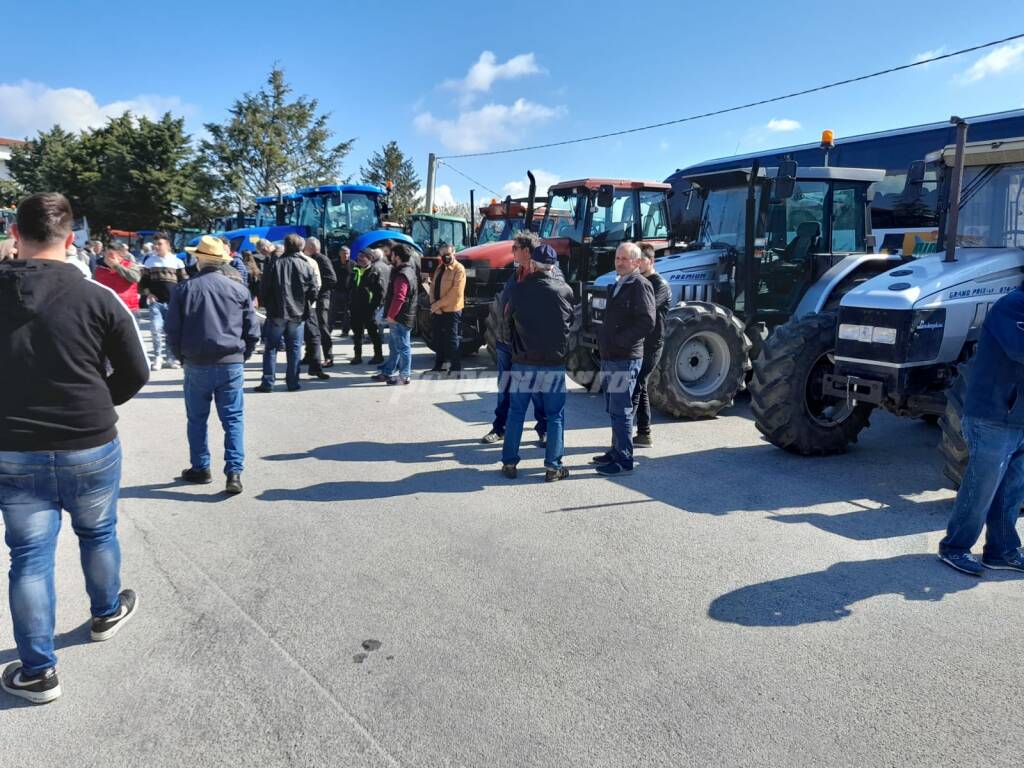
469 452
830 595
212 493
900 518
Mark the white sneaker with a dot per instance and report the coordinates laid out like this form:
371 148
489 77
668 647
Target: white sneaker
174 364
158 363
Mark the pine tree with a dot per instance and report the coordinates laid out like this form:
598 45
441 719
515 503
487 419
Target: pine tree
391 164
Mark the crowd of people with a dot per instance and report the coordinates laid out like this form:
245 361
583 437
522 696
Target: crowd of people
71 351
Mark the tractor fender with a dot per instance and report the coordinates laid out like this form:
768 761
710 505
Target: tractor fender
369 239
819 294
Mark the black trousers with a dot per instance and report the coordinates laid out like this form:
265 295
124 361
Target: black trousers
340 311
447 328
641 402
362 321
323 321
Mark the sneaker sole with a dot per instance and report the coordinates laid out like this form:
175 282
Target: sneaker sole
207 481
36 697
99 637
1001 567
956 567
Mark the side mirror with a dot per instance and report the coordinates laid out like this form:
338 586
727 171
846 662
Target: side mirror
785 180
605 196
914 185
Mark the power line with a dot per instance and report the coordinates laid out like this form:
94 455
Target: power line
772 100
478 183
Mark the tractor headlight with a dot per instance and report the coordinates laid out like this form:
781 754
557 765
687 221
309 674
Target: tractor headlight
598 302
867 334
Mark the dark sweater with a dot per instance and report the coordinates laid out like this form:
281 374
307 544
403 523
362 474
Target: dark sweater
996 389
211 321
69 352
540 311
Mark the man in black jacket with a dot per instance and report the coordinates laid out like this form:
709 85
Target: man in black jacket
69 352
287 288
213 330
540 311
318 329
374 284
629 317
652 345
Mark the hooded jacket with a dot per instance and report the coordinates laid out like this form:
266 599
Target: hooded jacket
69 352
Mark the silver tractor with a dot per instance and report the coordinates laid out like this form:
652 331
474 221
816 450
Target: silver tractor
903 339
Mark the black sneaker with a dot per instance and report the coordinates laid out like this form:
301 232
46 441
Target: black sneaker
263 388
542 440
554 475
614 469
356 361
492 437
200 476
41 688
321 374
1012 562
234 483
604 458
965 563
105 627
509 471
643 439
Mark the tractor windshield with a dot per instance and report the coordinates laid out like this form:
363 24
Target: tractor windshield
421 232
339 214
614 223
794 225
564 216
495 230
266 214
992 207
724 217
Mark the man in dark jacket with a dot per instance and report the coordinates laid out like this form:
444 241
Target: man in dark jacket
344 270
212 329
652 345
374 284
318 329
539 316
69 352
993 427
522 246
629 317
400 312
287 288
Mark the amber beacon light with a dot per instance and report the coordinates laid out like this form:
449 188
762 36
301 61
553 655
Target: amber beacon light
827 139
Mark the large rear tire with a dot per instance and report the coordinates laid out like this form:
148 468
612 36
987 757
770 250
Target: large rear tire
582 363
490 331
786 391
953 447
704 362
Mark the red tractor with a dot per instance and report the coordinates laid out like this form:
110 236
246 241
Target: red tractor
584 221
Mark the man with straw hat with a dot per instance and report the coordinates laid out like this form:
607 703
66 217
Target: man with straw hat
212 329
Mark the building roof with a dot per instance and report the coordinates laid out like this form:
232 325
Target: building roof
11 142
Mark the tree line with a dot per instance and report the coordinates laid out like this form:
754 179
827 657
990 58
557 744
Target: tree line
139 173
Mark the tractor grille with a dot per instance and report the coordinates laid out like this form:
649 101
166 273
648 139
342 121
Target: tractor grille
595 298
484 283
918 334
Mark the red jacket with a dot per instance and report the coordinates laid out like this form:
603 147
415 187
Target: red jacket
127 290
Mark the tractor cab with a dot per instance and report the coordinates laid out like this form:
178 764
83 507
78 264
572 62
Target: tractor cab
501 220
274 211
338 214
430 230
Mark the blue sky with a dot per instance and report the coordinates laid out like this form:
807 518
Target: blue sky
454 77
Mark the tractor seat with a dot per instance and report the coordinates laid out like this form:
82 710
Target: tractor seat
806 238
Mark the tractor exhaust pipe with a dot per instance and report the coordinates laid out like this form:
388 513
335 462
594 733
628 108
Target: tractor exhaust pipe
472 218
530 201
955 186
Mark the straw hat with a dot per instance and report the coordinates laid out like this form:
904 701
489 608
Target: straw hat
210 249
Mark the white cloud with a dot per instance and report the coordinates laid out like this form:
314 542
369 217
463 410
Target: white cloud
925 55
782 125
492 125
442 195
521 188
486 70
1001 59
28 107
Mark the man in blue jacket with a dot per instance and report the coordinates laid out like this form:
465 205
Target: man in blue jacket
993 426
212 329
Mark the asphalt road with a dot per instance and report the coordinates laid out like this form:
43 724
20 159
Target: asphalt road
381 596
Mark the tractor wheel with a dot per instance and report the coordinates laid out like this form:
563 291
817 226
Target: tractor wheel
786 391
490 331
953 446
582 363
704 362
425 327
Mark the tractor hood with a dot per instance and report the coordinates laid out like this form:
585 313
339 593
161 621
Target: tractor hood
930 281
499 255
686 267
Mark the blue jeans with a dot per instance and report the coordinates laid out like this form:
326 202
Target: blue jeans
290 331
527 382
223 385
34 487
399 351
158 318
504 353
991 492
618 380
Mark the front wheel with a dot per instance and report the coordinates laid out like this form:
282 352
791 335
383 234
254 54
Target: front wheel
787 391
953 446
703 364
582 363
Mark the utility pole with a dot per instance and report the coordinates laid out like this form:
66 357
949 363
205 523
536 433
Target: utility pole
431 171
